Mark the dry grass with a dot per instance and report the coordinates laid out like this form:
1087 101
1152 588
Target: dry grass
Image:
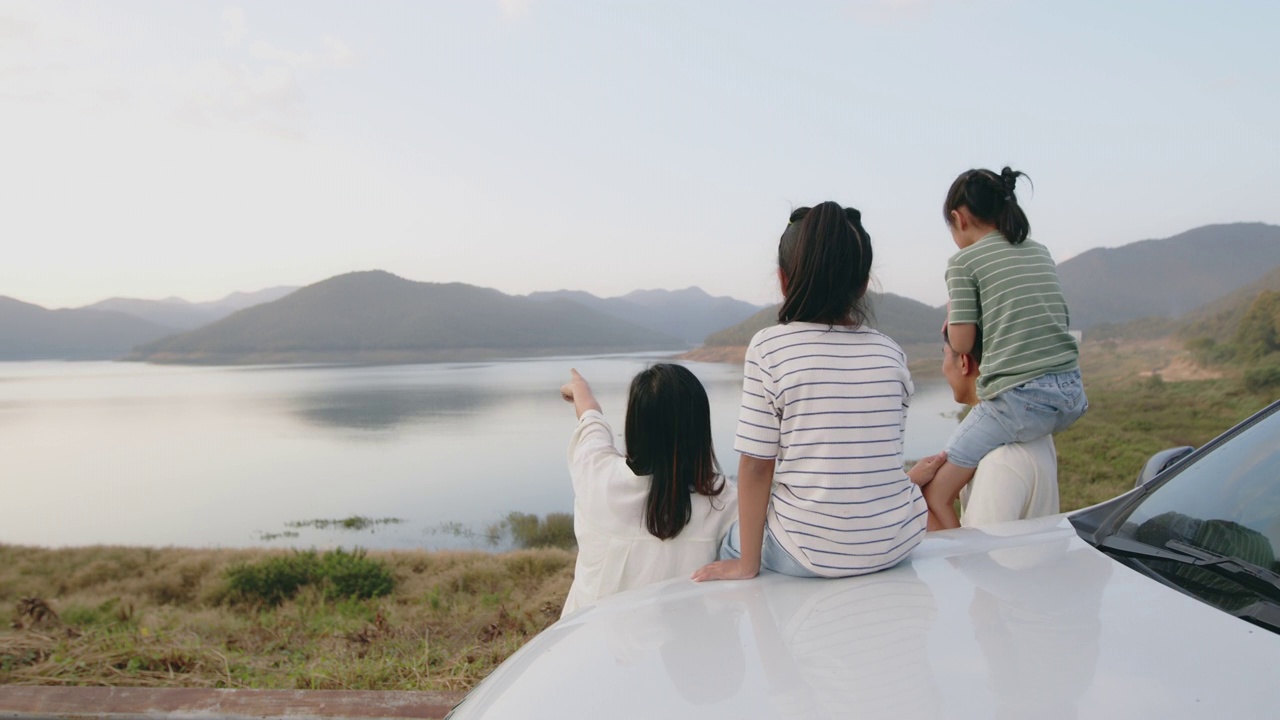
1137 407
162 617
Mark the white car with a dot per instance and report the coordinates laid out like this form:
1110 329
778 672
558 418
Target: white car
1162 603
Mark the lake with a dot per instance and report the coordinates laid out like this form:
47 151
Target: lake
134 454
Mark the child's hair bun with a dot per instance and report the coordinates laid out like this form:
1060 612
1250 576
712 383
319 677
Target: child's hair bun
850 214
1008 178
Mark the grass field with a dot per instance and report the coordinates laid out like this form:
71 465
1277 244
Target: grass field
166 617
1134 412
184 617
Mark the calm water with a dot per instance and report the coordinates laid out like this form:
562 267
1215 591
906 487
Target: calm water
124 453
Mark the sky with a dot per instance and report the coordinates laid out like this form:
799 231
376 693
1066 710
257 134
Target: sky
193 149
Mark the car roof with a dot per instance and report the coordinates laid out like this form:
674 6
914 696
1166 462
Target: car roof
1021 619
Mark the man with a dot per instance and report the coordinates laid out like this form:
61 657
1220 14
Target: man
1013 482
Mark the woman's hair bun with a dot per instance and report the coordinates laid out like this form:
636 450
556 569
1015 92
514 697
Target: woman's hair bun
853 215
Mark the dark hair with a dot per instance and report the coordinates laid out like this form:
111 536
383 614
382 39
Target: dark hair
990 198
669 437
825 258
976 351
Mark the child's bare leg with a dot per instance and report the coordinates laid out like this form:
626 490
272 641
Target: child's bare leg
941 493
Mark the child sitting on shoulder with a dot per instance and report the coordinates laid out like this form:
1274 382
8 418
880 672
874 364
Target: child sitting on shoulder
1005 284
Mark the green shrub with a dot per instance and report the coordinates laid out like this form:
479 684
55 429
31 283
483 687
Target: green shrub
1263 377
109 612
352 575
530 531
1208 351
273 580
340 574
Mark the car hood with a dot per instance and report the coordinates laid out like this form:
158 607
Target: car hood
1016 620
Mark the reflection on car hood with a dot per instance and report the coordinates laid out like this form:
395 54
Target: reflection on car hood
1018 620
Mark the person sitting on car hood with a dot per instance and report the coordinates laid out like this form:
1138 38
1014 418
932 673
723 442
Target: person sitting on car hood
1012 482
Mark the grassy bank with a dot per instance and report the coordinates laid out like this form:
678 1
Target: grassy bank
1140 402
170 617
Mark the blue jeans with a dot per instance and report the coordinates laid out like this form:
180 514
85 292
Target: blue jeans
1038 407
772 555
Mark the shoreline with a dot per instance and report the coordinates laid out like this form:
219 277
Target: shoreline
927 363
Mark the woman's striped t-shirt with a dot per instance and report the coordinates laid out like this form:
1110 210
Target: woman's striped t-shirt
830 405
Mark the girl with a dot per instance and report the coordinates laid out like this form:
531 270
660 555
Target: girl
824 403
1007 286
657 512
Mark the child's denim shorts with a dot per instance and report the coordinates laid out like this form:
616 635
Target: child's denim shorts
1038 407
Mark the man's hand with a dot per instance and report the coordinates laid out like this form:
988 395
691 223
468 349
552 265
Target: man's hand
925 468
736 569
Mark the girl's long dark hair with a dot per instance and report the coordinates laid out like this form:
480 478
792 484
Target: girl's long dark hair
669 437
990 198
825 258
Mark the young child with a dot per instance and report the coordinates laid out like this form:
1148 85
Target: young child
660 510
821 490
1007 285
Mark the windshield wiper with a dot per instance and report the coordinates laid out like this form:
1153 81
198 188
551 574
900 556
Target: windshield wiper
1243 572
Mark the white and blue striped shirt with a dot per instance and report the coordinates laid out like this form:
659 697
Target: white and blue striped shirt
830 405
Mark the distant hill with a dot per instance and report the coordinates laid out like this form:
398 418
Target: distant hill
905 320
689 314
30 332
1219 319
1216 320
379 317
180 314
1169 277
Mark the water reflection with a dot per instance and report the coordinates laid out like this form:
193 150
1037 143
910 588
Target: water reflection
823 647
831 645
1040 643
695 639
385 409
126 453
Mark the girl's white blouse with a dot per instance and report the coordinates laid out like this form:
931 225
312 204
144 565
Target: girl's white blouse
615 551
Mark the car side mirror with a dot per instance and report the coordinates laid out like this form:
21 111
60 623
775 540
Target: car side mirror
1160 462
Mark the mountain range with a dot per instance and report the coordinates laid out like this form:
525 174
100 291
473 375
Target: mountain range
1191 283
688 315
1169 277
1194 284
905 320
180 314
378 317
30 332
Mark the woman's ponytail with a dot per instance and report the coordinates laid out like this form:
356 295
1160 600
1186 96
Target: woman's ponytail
825 258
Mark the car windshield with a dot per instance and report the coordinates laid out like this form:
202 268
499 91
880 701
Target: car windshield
1226 503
